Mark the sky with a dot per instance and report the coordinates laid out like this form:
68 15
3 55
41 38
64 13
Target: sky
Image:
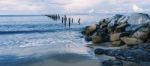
72 6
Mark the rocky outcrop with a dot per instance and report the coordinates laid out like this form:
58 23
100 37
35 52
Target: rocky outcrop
139 18
135 54
138 55
120 30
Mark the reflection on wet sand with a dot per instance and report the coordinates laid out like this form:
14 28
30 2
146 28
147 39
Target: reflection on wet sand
69 59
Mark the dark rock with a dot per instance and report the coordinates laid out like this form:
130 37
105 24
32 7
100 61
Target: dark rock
112 63
97 38
134 55
129 63
139 18
117 43
115 37
88 38
119 28
131 41
90 30
99 51
100 36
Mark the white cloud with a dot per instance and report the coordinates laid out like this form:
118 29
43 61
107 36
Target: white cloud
136 8
19 6
72 6
92 11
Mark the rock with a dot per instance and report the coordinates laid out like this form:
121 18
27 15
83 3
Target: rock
133 28
89 30
88 38
133 55
131 41
99 51
129 63
142 34
144 46
103 25
118 23
116 43
121 27
119 63
112 63
118 29
114 19
138 18
115 37
97 38
148 40
123 19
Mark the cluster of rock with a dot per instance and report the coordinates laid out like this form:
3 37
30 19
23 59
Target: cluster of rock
120 30
139 54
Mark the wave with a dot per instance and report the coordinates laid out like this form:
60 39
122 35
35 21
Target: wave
35 28
38 31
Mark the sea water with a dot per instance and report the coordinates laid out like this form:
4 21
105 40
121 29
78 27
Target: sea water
41 41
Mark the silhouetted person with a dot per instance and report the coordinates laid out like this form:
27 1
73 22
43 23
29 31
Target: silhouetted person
69 22
62 20
79 21
72 20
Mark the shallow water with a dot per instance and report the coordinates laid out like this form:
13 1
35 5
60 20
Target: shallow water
40 41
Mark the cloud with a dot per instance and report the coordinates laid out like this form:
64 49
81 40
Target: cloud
136 8
18 6
72 6
92 11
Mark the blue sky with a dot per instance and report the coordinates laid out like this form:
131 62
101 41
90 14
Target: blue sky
72 6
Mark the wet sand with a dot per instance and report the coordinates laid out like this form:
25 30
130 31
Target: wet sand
50 62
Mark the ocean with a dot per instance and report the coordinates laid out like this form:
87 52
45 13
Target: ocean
42 41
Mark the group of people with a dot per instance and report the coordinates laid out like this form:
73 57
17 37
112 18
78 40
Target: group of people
68 20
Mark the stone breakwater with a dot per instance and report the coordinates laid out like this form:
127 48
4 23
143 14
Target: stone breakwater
130 33
120 30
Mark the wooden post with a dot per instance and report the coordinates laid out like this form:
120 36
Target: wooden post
79 21
69 22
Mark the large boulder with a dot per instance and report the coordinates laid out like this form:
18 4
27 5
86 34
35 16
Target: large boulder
100 37
131 30
89 30
143 35
115 37
131 41
133 19
112 63
116 43
139 18
97 38
126 54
